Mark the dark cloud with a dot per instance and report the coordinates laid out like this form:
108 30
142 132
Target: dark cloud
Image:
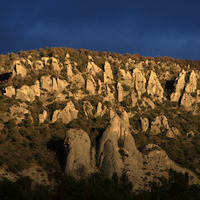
146 27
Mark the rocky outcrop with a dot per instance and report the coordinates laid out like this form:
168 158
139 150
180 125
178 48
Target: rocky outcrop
157 164
78 153
159 125
88 108
55 65
42 117
108 75
9 91
100 112
90 86
67 114
18 112
38 65
139 82
19 69
76 79
93 69
125 77
192 84
118 153
187 100
179 85
119 92
25 93
46 83
144 124
154 87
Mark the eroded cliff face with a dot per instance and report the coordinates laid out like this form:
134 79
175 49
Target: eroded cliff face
119 100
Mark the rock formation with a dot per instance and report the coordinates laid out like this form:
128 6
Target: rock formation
118 153
154 87
78 153
67 114
139 82
179 85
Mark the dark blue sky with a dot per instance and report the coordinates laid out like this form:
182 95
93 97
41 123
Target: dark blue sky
156 27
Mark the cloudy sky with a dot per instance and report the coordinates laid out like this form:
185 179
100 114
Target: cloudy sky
150 28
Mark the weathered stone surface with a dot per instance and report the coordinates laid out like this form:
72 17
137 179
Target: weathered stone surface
75 78
45 61
126 77
158 164
100 112
99 86
108 75
18 112
61 84
118 153
154 87
36 88
78 155
19 69
139 82
67 114
90 86
159 125
109 95
93 68
55 65
176 131
119 92
38 65
134 98
179 85
9 91
46 83
42 117
144 124
25 93
87 108
192 84
187 100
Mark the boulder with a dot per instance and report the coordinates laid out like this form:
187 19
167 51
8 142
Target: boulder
9 91
154 87
46 83
67 114
25 93
78 153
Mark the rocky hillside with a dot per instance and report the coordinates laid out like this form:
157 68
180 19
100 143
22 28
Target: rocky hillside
81 112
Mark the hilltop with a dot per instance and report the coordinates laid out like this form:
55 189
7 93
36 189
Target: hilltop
80 112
